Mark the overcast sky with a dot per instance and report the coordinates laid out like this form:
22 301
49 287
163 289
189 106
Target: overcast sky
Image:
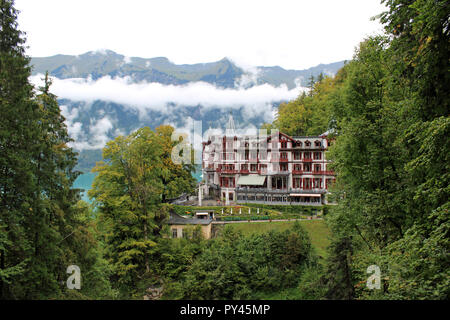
294 34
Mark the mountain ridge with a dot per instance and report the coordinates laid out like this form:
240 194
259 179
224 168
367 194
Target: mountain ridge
168 93
222 73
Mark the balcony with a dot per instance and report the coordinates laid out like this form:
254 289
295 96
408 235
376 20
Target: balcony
297 171
326 173
259 190
230 171
226 171
280 203
311 190
307 160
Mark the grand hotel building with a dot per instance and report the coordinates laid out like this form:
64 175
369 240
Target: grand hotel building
267 169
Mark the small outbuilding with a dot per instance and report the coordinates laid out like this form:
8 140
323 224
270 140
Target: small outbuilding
179 225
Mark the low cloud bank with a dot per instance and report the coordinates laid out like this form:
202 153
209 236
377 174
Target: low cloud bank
155 96
256 100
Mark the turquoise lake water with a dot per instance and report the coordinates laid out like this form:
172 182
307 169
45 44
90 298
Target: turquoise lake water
85 180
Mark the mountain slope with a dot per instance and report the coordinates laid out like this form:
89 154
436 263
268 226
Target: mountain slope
103 94
223 73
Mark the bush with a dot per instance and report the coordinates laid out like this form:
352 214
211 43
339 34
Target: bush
235 266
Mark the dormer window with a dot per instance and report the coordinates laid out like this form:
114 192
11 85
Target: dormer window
317 143
307 143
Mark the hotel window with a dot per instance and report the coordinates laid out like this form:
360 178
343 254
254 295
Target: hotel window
284 167
263 155
244 167
307 167
253 167
284 155
307 143
297 183
297 167
307 155
263 168
317 183
317 143
317 155
306 183
284 144
174 233
317 167
229 167
297 155
229 156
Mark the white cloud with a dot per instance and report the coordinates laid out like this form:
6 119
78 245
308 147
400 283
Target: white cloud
126 60
256 100
99 132
103 51
96 137
250 76
73 128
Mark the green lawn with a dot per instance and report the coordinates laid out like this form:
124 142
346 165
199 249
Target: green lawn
317 230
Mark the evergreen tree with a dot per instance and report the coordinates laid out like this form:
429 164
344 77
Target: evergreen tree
18 136
311 82
42 228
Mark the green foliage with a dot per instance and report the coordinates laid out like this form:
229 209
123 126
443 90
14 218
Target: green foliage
130 191
235 266
388 109
416 263
43 228
391 158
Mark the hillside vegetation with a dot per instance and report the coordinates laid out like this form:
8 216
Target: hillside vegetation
387 112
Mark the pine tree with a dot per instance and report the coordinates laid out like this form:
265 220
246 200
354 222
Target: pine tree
18 135
42 228
311 85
